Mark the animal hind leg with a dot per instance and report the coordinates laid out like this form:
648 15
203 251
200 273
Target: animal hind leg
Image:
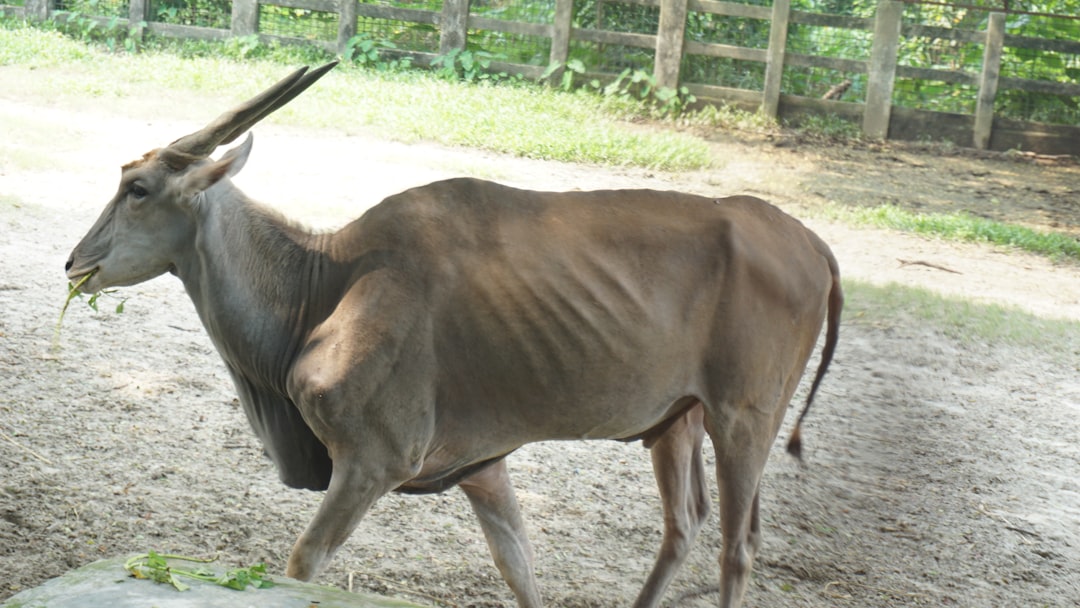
492 498
742 449
680 477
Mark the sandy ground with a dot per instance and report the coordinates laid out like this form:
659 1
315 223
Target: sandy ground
939 471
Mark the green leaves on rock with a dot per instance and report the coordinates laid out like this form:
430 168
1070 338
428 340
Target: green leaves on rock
156 567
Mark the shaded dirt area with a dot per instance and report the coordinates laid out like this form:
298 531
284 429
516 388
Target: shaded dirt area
940 472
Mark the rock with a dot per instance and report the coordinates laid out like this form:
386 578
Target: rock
105 584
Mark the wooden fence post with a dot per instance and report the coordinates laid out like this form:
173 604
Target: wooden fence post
882 69
455 24
988 82
245 17
669 43
774 63
346 24
560 37
39 9
138 13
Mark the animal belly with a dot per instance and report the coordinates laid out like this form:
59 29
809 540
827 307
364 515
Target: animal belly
549 381
565 345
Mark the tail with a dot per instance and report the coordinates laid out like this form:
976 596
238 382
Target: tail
832 334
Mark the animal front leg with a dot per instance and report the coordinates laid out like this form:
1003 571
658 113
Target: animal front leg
492 498
350 495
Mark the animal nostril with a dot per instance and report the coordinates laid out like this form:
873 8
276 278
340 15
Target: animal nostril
70 263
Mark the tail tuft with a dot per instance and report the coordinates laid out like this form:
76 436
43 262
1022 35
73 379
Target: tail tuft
794 445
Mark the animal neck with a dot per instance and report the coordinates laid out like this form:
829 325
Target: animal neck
258 283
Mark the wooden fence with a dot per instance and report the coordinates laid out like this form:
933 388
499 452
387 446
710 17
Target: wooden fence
877 112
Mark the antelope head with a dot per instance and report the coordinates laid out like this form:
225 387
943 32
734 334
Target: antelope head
149 222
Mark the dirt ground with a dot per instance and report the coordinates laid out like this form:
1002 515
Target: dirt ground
939 472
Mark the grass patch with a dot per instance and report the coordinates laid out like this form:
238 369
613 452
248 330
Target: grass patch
959 227
517 118
961 319
22 45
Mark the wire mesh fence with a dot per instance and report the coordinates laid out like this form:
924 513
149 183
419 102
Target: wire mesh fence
1029 53
94 8
202 13
525 11
514 47
298 23
618 17
401 34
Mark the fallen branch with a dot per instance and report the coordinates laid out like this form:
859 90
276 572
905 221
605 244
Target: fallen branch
927 264
22 447
1009 525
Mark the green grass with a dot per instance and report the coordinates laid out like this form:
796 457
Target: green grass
959 227
39 48
518 119
961 319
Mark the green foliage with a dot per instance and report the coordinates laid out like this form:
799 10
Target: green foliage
73 292
242 47
203 13
638 86
470 66
641 85
570 70
110 32
365 52
42 45
156 567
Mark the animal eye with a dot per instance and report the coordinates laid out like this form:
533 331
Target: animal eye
138 192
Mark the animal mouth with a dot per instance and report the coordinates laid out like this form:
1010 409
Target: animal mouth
79 278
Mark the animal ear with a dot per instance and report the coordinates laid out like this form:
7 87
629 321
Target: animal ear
202 177
237 157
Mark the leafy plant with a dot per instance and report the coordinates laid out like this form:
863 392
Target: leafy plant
105 30
73 292
569 70
635 85
468 66
155 566
242 47
642 86
364 51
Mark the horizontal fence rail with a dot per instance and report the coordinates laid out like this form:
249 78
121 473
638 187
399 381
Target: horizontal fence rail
964 84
